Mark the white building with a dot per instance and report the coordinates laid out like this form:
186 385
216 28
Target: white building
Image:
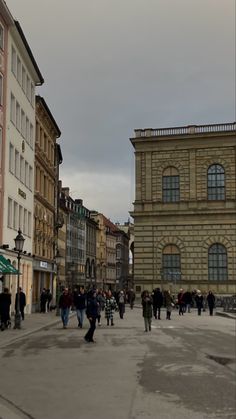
23 75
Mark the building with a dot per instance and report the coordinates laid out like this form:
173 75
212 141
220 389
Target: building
185 208
122 258
17 186
45 200
128 250
90 247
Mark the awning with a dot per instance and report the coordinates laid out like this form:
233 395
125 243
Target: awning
6 267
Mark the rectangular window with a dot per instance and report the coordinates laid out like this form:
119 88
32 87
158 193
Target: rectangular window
1 89
27 129
17 164
9 213
32 94
25 229
26 174
31 135
23 124
170 189
13 61
1 37
11 159
29 223
18 69
22 169
13 109
23 79
15 216
28 87
21 217
30 177
18 116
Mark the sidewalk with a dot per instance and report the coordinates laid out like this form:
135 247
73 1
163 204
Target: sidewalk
32 323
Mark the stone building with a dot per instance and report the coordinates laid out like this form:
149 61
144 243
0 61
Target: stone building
185 208
122 258
45 200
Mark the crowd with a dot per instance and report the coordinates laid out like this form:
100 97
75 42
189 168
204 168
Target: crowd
93 302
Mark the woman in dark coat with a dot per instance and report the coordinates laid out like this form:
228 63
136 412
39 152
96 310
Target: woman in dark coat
211 302
5 303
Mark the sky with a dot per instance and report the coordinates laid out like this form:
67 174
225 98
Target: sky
111 66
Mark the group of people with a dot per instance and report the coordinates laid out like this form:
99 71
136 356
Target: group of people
45 300
5 304
152 304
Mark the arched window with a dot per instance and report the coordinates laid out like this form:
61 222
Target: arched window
171 263
170 185
217 262
216 183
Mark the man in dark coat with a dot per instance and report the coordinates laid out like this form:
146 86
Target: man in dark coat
43 300
5 303
199 302
92 314
211 302
65 303
157 299
188 300
22 302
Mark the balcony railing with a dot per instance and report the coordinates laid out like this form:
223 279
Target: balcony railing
186 130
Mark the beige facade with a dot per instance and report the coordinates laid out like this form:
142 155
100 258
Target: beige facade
185 208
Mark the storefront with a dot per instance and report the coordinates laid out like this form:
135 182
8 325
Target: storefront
43 277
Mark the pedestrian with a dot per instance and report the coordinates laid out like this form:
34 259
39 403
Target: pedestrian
169 303
65 303
110 307
147 310
92 313
5 303
43 300
181 303
187 297
199 302
80 300
49 299
101 300
157 298
22 302
131 298
121 304
211 302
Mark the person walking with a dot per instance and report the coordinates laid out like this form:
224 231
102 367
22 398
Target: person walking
187 297
22 302
5 303
101 300
131 298
121 304
80 305
43 300
211 302
169 304
147 310
199 302
49 299
157 303
65 303
92 313
181 303
110 307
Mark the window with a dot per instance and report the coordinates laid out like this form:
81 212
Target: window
32 94
27 129
1 89
217 262
23 124
25 226
26 174
18 70
31 135
9 213
216 183
1 37
118 270
17 164
11 159
29 223
22 169
118 252
15 216
23 79
18 115
28 87
13 109
30 177
170 185
13 61
171 264
21 217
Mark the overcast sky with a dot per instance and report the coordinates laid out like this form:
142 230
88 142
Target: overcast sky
111 66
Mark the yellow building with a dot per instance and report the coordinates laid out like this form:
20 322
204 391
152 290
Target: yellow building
185 208
45 202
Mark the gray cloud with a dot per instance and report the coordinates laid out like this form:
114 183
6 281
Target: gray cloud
111 66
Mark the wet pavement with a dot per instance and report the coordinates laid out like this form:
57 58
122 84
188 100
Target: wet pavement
183 368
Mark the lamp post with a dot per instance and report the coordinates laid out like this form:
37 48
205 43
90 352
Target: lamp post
58 261
19 244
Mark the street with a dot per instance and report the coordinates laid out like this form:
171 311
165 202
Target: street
183 368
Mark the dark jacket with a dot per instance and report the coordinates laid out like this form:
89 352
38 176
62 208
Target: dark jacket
92 308
211 300
157 298
187 297
65 301
199 301
80 301
5 302
22 300
147 307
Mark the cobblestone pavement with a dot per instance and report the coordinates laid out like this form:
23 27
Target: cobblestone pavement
183 368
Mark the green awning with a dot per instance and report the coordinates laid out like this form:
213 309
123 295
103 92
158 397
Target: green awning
6 267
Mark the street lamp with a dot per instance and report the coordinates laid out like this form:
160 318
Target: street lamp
19 244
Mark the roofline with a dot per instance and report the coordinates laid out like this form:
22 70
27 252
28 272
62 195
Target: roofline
42 100
6 14
27 47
